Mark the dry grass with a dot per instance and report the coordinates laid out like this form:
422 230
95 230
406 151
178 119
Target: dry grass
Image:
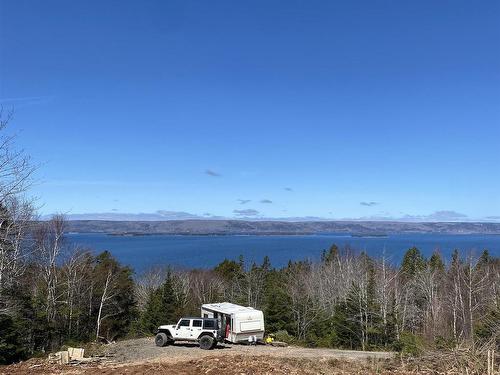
247 365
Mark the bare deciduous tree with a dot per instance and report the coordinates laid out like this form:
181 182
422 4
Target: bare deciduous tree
76 273
16 211
15 221
16 168
48 238
107 308
304 305
206 286
148 282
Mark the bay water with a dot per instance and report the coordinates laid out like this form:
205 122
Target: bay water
142 252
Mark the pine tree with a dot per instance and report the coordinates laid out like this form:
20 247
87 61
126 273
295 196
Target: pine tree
161 307
413 262
277 304
436 262
229 269
331 255
347 321
10 344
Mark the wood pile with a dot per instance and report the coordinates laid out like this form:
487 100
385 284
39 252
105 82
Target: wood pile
75 356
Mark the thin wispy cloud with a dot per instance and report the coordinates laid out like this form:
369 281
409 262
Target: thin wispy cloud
368 204
266 201
160 215
176 215
97 183
212 173
246 213
445 215
437 216
244 201
85 183
22 101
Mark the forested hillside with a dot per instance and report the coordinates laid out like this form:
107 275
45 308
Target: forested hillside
227 227
347 300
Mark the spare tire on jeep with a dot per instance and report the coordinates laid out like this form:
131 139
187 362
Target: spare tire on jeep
207 342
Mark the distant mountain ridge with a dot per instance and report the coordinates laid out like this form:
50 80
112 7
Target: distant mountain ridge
234 227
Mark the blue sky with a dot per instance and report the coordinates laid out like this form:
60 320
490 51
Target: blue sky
353 109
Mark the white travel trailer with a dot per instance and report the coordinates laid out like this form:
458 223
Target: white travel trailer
237 323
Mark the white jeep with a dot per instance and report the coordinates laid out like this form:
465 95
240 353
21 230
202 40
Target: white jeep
205 331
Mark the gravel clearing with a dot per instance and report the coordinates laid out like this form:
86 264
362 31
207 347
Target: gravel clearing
140 350
141 356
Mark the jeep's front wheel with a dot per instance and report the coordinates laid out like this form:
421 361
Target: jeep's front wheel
207 342
161 339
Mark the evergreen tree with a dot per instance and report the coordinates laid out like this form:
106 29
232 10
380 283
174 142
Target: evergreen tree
11 348
266 264
277 304
229 269
436 262
331 255
161 307
413 262
484 259
347 321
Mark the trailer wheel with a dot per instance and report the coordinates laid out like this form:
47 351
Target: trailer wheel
207 342
161 339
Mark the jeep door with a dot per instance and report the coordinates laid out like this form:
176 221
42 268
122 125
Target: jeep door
196 328
183 330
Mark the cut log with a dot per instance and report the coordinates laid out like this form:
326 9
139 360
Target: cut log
279 344
61 358
76 353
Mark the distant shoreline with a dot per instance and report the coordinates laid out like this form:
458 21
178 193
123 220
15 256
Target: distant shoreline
241 234
276 234
279 228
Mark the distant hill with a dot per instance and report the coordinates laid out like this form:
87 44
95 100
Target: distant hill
227 227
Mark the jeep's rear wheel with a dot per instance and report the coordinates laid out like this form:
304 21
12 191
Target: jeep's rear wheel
207 342
161 339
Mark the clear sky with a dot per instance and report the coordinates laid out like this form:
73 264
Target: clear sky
333 109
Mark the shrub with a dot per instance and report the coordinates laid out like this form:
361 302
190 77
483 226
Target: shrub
443 343
284 336
409 344
10 346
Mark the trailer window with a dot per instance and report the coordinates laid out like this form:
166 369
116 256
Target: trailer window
209 324
197 323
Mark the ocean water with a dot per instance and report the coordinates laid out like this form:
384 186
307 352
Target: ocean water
142 252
